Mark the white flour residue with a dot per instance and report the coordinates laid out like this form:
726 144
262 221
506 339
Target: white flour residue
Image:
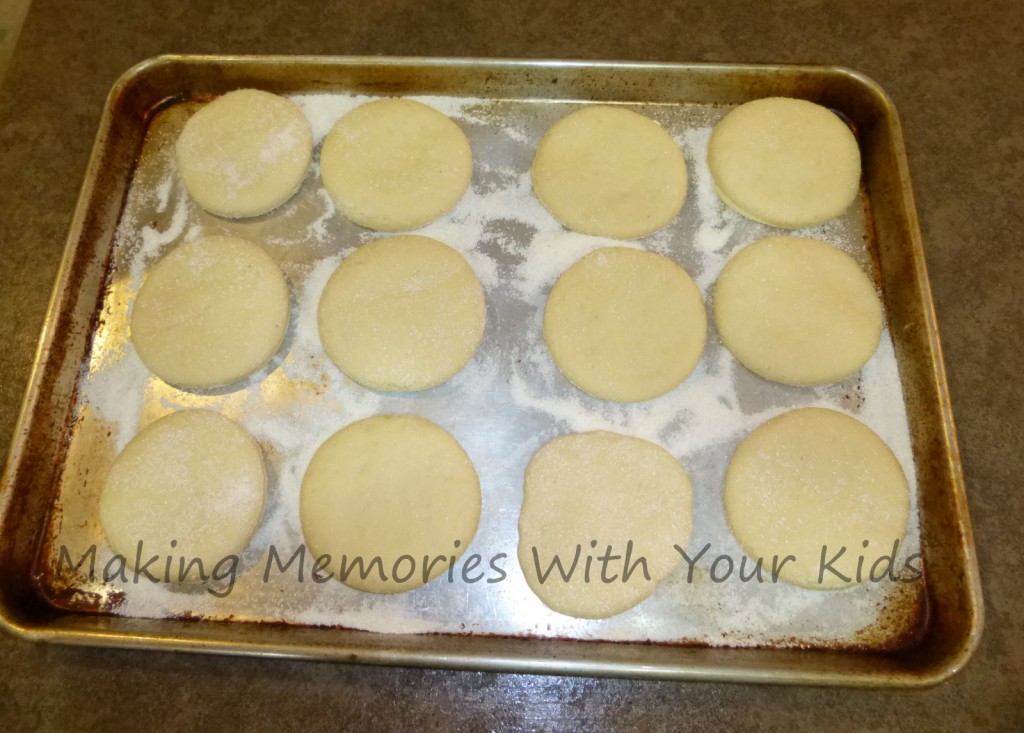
323 110
152 241
717 224
163 194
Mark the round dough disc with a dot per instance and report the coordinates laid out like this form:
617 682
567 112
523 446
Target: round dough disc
625 325
194 478
785 162
390 487
210 313
609 172
402 313
395 164
797 311
245 153
595 490
814 478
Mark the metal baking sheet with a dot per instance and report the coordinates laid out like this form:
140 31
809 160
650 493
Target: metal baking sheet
509 401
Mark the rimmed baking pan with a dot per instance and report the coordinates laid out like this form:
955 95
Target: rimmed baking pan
931 636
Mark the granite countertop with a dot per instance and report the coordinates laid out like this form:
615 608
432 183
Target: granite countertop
954 72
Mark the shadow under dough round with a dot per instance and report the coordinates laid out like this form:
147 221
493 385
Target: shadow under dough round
395 487
395 164
244 153
609 172
602 490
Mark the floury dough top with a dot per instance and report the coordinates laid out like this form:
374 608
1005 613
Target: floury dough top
192 482
625 325
610 172
395 164
394 487
210 313
586 492
798 311
244 153
785 162
402 313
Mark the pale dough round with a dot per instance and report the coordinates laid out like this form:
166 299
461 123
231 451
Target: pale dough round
609 172
389 487
395 165
607 489
244 153
797 311
210 313
402 313
625 325
194 478
785 162
814 478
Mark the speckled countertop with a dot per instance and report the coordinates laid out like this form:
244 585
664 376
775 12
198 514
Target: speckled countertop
954 71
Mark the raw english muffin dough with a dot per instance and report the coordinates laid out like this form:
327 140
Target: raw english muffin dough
609 172
595 490
210 313
395 165
245 153
785 162
797 311
402 313
814 478
396 487
194 478
625 325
